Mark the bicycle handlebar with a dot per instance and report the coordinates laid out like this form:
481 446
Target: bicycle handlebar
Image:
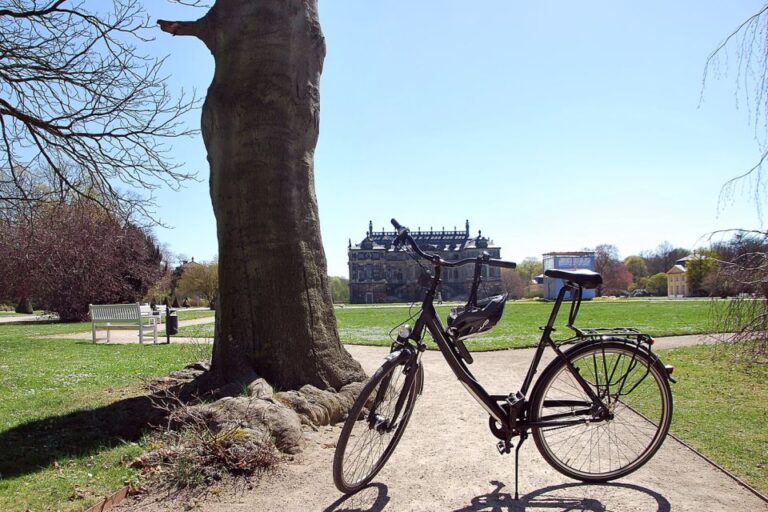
403 235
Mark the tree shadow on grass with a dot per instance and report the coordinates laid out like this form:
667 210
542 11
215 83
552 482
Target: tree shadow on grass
37 444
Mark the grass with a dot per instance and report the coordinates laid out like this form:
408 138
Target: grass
720 409
57 411
184 314
196 331
57 392
519 327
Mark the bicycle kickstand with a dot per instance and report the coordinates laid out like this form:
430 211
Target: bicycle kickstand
523 437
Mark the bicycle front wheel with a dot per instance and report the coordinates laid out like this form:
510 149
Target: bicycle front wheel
594 445
375 425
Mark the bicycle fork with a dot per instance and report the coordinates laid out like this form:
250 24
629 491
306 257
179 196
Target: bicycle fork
410 367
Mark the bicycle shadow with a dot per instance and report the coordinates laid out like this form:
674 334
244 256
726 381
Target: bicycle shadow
546 499
373 498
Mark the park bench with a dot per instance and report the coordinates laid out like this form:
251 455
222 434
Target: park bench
124 316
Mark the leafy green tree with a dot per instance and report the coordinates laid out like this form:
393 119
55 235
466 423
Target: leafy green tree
339 289
657 284
530 268
637 266
517 282
201 280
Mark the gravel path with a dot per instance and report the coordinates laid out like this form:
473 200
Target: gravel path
15 319
447 460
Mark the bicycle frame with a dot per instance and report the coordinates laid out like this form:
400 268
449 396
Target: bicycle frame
494 405
513 416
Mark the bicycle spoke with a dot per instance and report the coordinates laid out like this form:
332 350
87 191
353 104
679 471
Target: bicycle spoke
619 435
370 437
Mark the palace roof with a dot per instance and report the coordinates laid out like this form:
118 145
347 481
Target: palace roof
432 240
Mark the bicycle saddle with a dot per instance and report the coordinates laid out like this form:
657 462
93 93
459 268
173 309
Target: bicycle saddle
584 278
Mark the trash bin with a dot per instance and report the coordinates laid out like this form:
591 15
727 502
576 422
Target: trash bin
171 322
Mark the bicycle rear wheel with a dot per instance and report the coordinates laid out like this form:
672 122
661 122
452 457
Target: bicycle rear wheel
371 431
635 389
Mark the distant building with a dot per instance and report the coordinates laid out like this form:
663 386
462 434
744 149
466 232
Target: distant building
677 281
574 260
379 274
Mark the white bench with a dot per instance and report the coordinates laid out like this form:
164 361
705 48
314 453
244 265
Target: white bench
124 316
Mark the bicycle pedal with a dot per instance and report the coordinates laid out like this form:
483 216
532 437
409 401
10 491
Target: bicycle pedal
503 447
515 399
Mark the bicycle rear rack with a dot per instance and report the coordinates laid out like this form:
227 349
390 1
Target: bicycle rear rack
609 332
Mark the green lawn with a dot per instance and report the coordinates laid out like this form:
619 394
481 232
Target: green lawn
720 409
59 434
184 314
519 327
61 410
196 331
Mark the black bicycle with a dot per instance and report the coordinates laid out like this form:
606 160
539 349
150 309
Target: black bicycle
599 410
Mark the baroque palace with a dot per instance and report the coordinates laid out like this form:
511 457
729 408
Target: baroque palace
379 274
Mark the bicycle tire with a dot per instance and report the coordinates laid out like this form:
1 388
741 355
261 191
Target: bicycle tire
599 451
355 465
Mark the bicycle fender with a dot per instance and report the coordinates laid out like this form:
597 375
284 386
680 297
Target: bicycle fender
401 356
398 355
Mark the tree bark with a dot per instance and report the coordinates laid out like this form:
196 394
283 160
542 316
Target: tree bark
260 126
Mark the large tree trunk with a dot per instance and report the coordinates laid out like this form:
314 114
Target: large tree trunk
260 125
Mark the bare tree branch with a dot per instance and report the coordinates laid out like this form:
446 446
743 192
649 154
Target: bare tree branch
82 111
749 41
192 3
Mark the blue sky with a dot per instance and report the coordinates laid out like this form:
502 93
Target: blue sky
550 125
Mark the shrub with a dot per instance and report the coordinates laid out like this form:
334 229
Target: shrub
199 283
67 256
657 284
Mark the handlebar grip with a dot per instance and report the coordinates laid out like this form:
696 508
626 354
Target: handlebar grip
502 264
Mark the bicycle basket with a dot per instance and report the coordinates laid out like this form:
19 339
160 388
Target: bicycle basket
466 321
